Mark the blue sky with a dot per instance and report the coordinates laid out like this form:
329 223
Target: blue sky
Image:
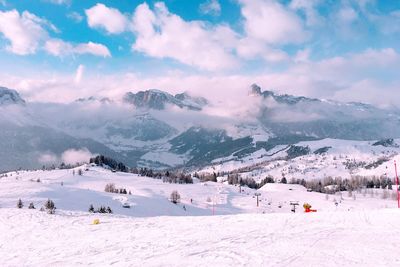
346 50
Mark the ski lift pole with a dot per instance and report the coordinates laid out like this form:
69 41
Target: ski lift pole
397 185
257 194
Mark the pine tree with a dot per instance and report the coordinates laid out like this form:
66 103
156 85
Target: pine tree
109 210
91 208
31 206
50 207
20 205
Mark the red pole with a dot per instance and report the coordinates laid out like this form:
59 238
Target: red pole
397 185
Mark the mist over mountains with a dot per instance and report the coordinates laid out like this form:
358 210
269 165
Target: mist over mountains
156 129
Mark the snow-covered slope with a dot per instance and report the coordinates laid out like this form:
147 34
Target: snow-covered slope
363 238
150 197
156 232
314 160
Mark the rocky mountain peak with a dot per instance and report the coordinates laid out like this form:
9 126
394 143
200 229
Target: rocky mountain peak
157 99
10 97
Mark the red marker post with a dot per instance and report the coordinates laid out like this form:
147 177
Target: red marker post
397 185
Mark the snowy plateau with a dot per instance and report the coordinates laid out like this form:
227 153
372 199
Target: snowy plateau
214 224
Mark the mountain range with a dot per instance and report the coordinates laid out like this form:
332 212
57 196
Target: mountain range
156 129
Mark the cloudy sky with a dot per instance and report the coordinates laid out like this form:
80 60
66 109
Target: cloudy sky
59 50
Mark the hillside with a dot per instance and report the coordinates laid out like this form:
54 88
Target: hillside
156 232
314 160
151 197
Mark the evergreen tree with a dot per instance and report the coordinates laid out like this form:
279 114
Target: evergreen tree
390 184
31 206
50 207
91 208
109 210
20 205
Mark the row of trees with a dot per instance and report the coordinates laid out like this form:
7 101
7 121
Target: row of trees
49 206
111 188
166 177
337 184
101 209
101 160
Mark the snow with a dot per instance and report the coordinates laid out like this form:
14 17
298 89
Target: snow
155 232
312 166
150 197
32 238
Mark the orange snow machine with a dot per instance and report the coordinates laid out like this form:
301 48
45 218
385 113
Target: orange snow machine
307 208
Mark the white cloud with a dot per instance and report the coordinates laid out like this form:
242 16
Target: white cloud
211 7
250 48
302 55
79 74
23 31
75 16
26 34
339 78
74 156
313 17
47 158
110 19
57 47
272 22
347 15
92 48
162 34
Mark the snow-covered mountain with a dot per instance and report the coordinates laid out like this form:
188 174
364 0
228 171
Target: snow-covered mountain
8 97
314 160
156 129
156 99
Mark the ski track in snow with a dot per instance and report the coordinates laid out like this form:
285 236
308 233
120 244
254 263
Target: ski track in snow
33 238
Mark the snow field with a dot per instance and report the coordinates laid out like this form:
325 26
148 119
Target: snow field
33 238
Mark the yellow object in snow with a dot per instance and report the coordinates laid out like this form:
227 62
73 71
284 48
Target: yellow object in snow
96 221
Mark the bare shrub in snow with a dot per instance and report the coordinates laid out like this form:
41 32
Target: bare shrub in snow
110 188
175 197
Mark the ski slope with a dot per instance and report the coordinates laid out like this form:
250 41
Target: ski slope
337 238
360 231
150 197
